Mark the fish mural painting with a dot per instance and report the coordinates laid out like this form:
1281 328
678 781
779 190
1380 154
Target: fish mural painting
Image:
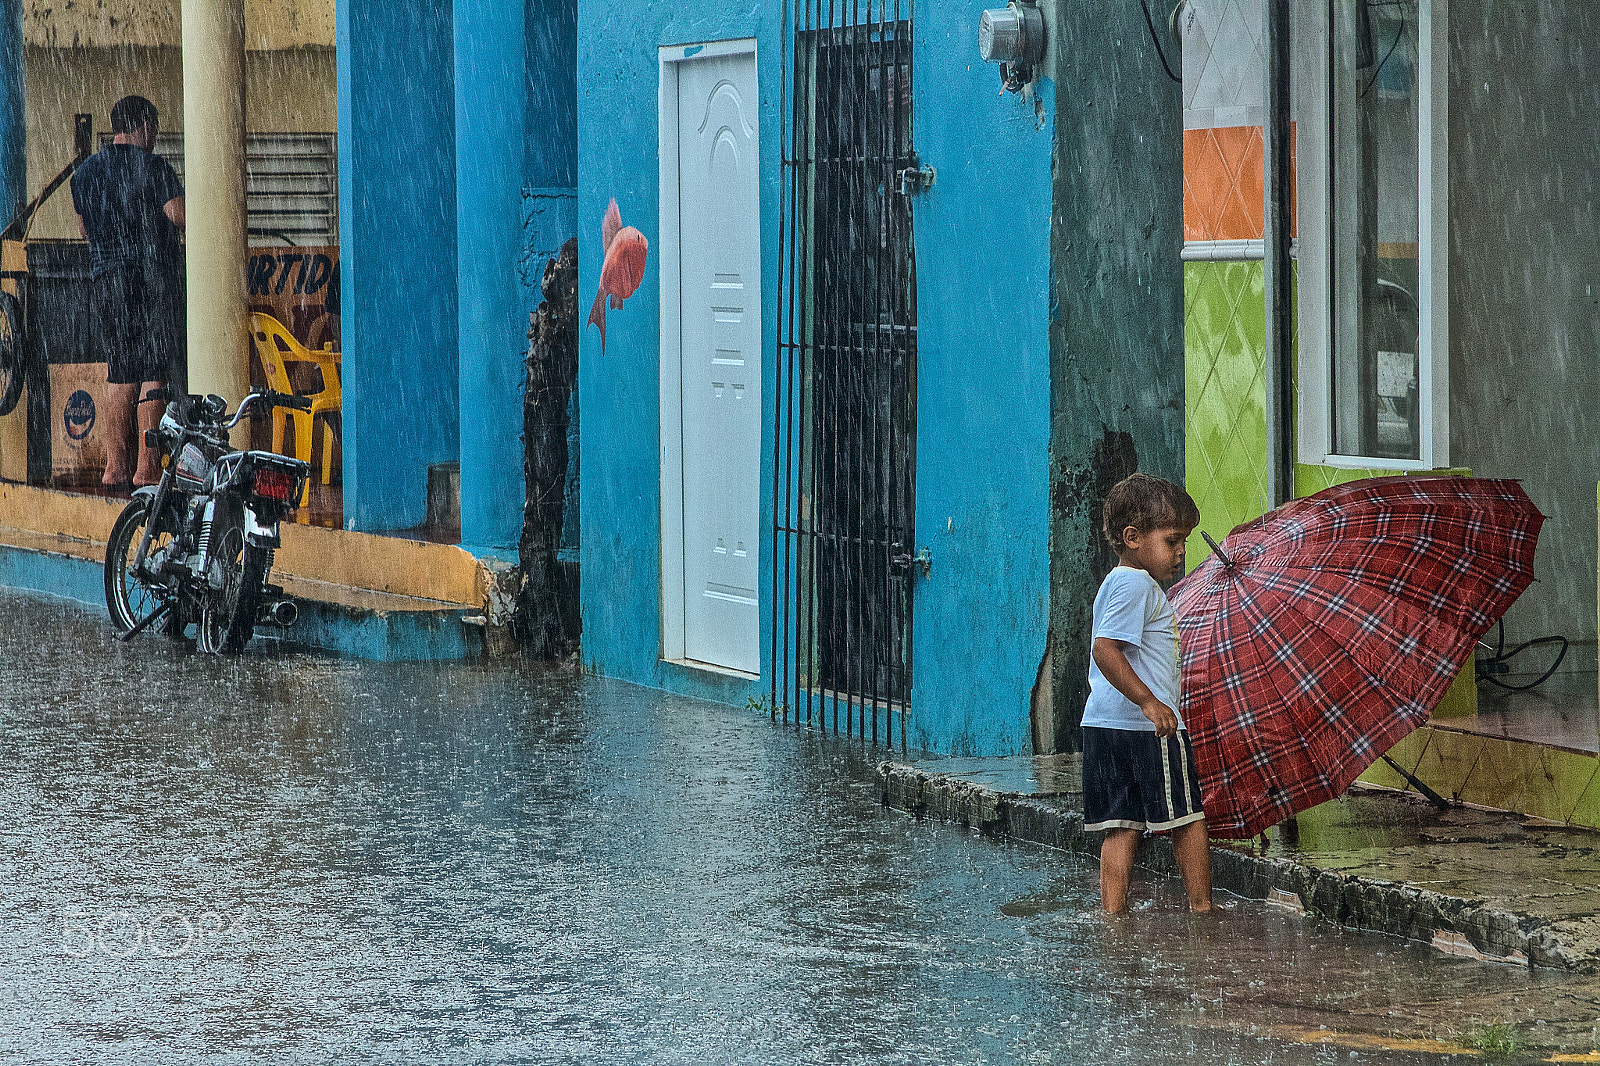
625 250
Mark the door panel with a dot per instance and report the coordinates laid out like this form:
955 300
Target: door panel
720 271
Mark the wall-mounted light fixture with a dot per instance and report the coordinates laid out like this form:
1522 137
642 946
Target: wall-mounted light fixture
1013 36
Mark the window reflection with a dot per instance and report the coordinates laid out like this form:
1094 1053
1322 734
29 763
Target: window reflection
1375 228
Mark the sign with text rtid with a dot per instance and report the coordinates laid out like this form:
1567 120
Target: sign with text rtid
300 288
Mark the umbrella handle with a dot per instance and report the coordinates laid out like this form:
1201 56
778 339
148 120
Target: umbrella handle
1215 547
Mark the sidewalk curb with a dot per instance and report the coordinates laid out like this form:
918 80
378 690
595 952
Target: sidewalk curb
1452 924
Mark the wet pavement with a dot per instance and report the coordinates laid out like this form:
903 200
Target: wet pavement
293 858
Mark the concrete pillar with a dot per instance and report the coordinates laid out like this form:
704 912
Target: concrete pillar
13 139
397 255
214 175
491 85
1116 339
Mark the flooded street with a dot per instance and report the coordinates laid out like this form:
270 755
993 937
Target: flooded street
291 858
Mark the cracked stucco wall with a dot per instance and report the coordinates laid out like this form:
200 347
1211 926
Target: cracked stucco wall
1116 331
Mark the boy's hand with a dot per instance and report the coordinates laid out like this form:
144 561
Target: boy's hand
1161 716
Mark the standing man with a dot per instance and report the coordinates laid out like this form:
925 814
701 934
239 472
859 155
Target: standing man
130 209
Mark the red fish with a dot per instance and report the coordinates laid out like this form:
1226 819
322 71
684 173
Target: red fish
623 269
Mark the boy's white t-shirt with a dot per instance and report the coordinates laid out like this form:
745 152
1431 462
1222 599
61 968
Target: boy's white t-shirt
1131 607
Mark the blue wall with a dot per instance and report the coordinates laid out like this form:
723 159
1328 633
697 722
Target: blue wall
550 137
491 103
13 139
619 392
982 233
397 237
982 243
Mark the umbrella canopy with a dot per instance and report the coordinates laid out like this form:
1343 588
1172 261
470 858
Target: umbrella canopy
1326 630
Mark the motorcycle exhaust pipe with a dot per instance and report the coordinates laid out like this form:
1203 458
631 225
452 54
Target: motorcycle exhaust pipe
283 613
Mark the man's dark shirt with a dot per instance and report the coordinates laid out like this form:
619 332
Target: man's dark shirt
120 191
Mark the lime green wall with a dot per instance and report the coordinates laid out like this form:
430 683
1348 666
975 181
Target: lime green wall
1225 422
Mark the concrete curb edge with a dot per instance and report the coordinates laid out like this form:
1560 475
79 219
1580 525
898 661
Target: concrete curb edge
1356 902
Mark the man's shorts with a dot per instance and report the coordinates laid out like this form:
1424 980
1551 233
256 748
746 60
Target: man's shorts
139 325
1133 779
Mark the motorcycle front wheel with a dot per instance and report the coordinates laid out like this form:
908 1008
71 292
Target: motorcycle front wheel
228 617
131 598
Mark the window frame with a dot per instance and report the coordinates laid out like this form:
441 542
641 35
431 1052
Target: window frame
1315 77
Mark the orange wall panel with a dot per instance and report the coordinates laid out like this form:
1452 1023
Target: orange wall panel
1222 184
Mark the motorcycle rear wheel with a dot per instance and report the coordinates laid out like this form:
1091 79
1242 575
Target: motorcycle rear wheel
228 617
130 598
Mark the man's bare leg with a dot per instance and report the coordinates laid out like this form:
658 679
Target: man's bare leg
1117 852
119 422
1192 849
149 471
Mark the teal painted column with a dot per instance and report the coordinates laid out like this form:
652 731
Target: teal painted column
13 130
550 148
491 104
1116 332
397 255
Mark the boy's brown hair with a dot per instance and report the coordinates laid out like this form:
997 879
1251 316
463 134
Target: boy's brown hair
1146 503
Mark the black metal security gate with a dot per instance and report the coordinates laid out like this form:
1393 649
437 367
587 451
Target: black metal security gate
844 470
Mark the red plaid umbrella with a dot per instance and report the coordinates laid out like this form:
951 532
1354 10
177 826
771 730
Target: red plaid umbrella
1323 632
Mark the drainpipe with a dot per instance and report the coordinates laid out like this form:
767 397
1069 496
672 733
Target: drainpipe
214 174
1279 277
13 141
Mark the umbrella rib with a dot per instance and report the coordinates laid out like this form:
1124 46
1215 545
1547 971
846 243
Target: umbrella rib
1201 721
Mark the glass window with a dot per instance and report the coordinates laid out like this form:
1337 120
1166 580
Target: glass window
1384 189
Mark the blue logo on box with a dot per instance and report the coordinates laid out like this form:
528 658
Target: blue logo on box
79 414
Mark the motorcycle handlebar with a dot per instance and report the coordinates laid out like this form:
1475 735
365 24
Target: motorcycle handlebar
199 411
270 399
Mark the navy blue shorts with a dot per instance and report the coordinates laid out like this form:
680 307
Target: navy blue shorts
1133 779
140 325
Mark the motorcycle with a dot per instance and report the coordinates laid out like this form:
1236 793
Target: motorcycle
197 546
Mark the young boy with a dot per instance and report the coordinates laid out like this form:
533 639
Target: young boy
1138 766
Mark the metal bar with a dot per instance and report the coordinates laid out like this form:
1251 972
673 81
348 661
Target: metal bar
843 98
797 435
855 320
827 112
1277 176
879 579
906 396
779 586
809 461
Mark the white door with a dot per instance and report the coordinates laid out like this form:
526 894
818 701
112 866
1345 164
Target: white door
720 318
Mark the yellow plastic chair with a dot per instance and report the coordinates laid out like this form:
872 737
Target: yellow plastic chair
276 347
